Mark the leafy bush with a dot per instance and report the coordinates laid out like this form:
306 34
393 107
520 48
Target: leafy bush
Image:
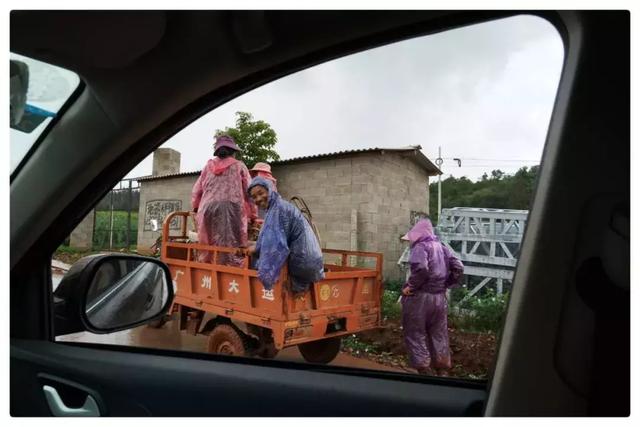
456 294
390 307
393 285
483 312
353 343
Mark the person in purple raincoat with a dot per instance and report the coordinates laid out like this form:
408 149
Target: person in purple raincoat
434 269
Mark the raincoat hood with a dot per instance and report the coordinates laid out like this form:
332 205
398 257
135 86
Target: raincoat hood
422 231
220 165
258 180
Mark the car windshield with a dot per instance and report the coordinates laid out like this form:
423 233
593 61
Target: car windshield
38 92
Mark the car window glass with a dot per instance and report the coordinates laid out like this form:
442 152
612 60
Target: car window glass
38 92
394 186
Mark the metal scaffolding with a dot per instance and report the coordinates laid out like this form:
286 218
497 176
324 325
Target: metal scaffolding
486 240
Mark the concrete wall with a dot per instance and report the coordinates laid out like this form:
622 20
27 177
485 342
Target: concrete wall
399 188
360 202
82 236
162 193
165 161
382 189
327 187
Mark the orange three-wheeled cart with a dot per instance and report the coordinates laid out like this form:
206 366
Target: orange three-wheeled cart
230 305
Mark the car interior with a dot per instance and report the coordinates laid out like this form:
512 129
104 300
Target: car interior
145 75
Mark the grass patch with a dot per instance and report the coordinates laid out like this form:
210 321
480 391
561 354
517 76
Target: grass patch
394 285
483 312
391 309
63 249
357 346
69 255
120 226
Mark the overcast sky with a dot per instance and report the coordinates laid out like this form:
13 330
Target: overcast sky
484 93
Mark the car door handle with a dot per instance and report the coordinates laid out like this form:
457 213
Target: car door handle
59 409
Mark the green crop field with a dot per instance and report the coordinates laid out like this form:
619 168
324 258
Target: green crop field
102 226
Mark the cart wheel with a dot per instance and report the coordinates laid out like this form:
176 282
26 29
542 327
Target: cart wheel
322 351
225 339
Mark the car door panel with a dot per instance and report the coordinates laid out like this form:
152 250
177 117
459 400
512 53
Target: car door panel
129 382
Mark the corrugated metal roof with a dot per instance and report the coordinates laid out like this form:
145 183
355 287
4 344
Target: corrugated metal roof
421 159
338 153
169 175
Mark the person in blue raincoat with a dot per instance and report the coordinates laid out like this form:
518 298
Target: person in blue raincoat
284 234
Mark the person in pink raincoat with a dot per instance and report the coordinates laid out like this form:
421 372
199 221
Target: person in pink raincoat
263 170
219 198
434 269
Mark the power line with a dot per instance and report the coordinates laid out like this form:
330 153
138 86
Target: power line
495 165
493 160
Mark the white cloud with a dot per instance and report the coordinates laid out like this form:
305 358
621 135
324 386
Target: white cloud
480 92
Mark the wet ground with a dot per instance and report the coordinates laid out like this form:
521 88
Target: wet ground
472 353
170 337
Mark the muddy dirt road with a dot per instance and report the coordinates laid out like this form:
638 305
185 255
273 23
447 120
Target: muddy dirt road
169 337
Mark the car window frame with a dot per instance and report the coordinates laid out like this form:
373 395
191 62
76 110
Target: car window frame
203 106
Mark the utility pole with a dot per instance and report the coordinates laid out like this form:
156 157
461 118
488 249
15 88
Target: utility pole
129 203
439 164
111 220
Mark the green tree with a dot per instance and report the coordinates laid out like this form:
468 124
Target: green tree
522 186
497 174
255 138
498 190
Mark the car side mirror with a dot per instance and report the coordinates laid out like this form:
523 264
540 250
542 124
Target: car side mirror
19 86
108 293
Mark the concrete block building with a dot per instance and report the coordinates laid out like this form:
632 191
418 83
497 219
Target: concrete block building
360 199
